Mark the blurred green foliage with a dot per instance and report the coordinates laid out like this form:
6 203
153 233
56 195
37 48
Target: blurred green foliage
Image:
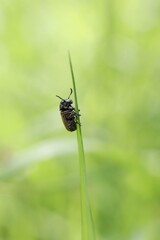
115 48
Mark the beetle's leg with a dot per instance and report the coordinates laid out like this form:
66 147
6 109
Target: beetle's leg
79 123
72 114
75 110
77 113
77 120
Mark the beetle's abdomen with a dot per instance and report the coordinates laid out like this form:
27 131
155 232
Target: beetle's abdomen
69 120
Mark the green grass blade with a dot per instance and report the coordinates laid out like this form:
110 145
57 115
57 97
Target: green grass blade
87 222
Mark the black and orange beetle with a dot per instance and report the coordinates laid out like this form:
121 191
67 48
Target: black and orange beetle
68 113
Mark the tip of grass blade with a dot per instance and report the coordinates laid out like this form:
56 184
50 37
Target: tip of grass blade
73 81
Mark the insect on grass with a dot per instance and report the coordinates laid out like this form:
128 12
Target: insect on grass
68 113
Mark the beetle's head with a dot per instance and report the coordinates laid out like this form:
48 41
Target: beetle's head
65 104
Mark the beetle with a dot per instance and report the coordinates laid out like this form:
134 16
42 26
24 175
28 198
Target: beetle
68 113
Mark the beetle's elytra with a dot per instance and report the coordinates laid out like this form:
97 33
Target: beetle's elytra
68 113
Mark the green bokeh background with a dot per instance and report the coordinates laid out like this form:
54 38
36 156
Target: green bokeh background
115 48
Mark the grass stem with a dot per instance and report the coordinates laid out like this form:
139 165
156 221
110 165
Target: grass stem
86 217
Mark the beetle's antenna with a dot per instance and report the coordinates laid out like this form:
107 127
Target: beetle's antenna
70 93
59 97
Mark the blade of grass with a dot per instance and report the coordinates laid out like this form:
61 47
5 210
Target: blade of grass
86 216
